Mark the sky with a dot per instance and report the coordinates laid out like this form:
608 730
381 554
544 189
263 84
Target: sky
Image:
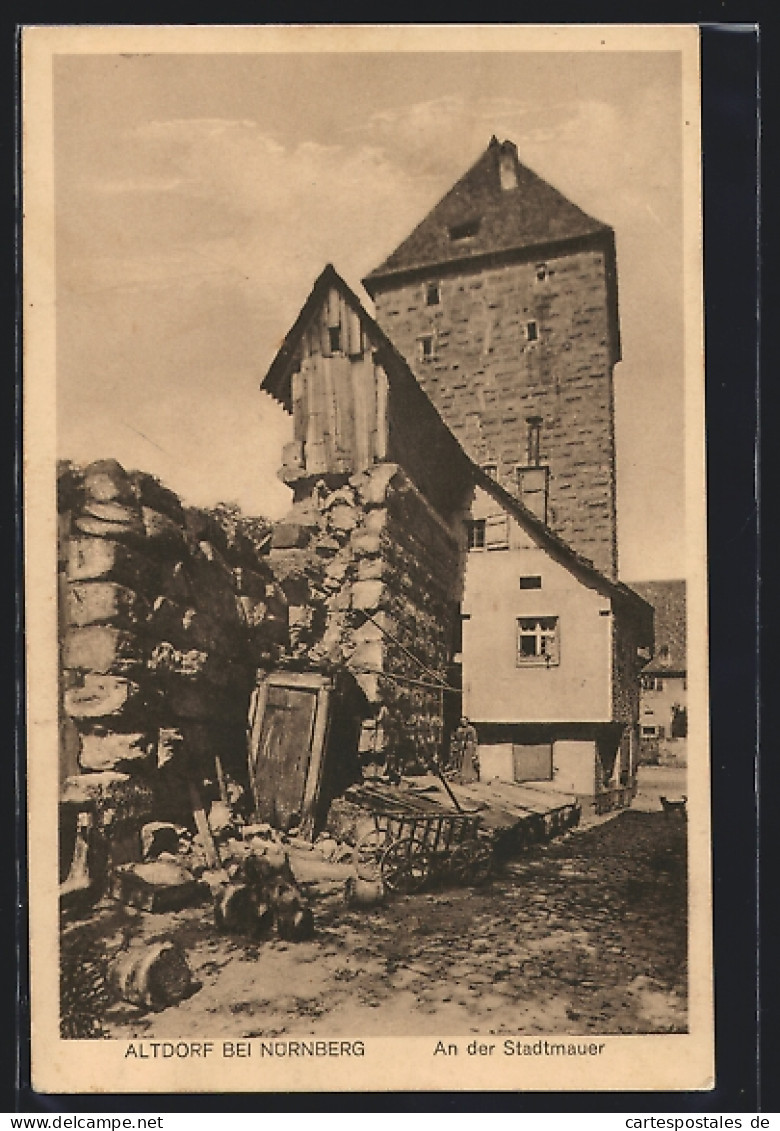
197 198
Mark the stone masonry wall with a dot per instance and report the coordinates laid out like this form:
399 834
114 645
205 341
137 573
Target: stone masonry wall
369 571
486 378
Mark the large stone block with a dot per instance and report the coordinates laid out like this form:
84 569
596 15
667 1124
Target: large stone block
116 751
102 602
100 648
100 696
288 536
94 559
106 480
368 595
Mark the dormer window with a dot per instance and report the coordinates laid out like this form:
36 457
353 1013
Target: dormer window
432 294
491 469
542 272
464 230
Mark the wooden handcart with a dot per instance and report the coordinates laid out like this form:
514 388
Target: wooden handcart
416 841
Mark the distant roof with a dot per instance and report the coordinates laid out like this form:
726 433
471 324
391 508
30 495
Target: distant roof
498 206
668 600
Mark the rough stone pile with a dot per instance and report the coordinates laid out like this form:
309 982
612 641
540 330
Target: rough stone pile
166 613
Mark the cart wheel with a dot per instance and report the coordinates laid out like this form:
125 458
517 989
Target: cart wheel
367 855
471 862
405 866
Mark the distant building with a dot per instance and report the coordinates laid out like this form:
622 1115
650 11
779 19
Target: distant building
663 681
503 300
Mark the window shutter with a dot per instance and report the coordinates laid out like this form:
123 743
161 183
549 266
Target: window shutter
497 532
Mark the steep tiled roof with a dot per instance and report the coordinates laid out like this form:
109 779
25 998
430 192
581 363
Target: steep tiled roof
498 206
668 600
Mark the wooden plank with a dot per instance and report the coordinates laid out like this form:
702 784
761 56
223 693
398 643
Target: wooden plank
330 427
299 405
311 793
345 409
539 800
314 411
362 386
309 680
334 306
202 825
381 429
324 330
354 334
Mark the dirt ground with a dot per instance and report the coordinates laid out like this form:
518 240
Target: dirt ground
586 934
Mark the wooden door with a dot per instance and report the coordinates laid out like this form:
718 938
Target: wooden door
532 761
286 749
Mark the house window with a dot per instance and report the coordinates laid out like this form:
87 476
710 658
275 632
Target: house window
491 469
541 272
465 230
475 531
663 652
537 641
432 294
534 582
425 349
531 331
334 338
648 732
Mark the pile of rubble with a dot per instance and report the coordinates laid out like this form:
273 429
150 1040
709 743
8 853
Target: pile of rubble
257 888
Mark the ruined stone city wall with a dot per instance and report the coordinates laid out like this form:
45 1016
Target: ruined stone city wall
165 614
514 342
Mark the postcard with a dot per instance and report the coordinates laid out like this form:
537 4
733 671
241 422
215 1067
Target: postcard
365 559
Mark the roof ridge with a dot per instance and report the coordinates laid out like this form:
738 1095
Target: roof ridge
498 205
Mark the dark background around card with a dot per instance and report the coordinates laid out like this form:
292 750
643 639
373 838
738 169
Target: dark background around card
730 74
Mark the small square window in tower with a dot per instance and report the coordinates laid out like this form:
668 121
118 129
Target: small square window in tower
464 230
533 440
432 294
425 348
538 643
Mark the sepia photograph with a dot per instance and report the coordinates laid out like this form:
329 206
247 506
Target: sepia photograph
366 559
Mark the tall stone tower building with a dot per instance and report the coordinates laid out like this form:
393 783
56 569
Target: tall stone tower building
504 303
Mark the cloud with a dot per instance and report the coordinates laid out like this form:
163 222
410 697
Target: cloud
187 246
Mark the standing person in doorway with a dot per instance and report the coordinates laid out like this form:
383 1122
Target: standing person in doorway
464 758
